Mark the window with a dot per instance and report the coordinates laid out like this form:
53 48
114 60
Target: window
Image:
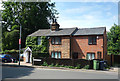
56 40
55 54
92 40
39 40
99 55
90 56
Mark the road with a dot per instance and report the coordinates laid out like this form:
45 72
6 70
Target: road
38 73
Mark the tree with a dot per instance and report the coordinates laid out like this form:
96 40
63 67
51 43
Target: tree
31 15
113 42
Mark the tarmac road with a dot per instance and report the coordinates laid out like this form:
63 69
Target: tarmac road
39 73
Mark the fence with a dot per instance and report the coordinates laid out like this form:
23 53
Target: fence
65 62
112 59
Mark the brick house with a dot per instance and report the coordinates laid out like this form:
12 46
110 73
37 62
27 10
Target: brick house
74 43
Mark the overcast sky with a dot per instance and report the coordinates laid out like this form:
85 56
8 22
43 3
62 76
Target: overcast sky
87 14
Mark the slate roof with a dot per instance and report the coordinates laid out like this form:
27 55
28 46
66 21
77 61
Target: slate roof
69 31
48 32
90 31
41 32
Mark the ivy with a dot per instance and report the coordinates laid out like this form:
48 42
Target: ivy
36 49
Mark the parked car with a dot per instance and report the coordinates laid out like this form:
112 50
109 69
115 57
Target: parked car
21 57
7 58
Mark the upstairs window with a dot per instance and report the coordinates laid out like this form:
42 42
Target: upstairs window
39 40
92 40
56 40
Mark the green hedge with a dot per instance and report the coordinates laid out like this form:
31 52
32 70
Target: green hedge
40 55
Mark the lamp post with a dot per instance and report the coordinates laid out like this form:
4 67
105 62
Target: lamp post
19 41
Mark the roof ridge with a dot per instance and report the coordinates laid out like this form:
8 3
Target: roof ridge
92 28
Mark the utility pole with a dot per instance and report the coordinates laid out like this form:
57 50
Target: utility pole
20 43
19 40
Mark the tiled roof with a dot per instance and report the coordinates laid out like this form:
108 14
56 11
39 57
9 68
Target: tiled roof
90 31
69 31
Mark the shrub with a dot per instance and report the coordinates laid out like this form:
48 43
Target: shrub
61 65
86 67
78 66
44 64
51 65
69 67
57 65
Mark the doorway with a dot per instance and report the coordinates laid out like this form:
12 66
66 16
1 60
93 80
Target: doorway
28 56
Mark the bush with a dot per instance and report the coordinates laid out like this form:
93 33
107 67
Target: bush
52 65
86 67
61 65
44 64
78 66
57 65
69 67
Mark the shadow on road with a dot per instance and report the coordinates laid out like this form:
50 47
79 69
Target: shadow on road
15 72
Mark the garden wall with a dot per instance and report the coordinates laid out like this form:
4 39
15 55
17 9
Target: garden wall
65 62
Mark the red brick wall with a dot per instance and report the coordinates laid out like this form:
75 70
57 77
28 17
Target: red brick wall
64 47
80 45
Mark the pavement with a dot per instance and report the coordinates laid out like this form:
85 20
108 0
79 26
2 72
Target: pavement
29 65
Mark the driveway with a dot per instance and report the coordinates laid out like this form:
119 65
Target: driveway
41 73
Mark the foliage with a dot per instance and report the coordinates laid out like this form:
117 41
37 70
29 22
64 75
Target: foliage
52 65
40 55
86 67
44 64
78 66
30 16
113 40
57 65
38 50
69 67
13 51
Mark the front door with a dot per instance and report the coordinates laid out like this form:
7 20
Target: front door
28 56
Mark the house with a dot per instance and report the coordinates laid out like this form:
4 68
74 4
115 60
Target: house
75 43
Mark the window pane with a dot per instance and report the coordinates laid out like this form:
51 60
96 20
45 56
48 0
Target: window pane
53 41
93 56
94 40
88 56
59 55
52 55
39 40
56 40
55 54
59 41
90 40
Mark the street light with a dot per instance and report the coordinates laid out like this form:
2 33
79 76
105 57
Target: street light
19 40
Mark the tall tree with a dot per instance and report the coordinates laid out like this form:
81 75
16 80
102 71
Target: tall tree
31 16
113 42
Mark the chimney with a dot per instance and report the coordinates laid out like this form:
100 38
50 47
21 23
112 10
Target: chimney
55 26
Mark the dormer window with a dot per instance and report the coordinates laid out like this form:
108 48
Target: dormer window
56 40
39 40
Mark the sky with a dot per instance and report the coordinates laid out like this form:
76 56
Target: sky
87 14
